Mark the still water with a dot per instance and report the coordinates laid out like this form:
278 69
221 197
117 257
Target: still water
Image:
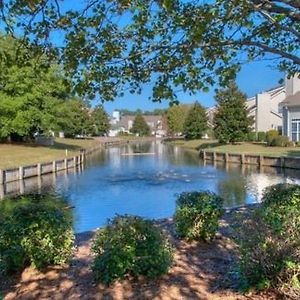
147 185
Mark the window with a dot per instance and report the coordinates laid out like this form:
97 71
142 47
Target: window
295 130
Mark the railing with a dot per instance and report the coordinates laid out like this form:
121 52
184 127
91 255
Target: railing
252 159
22 172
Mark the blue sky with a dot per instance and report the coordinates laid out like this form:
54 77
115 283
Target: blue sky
255 77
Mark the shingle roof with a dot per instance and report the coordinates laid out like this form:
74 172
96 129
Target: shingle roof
293 100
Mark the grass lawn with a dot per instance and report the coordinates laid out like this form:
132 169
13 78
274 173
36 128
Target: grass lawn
20 155
246 148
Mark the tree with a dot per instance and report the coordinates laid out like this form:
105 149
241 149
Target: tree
231 122
186 44
140 126
100 120
74 118
31 91
195 124
176 116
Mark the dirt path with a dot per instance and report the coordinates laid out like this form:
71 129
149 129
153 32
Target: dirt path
200 271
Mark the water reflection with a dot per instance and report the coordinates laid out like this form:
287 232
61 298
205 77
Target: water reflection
147 185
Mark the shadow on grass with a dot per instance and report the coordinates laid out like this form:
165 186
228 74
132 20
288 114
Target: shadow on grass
295 153
200 271
208 145
63 146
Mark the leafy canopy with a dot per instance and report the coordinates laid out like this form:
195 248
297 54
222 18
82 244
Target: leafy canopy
140 126
110 46
100 120
176 116
31 91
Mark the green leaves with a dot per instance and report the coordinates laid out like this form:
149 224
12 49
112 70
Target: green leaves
231 121
130 245
269 242
197 215
140 126
195 124
34 230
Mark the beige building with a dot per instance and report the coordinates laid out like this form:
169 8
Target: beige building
291 109
264 107
125 123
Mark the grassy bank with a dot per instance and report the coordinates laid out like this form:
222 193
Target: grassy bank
242 148
12 155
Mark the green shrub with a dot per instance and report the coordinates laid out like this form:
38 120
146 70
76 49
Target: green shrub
261 136
280 141
130 245
270 242
34 230
251 136
197 215
271 135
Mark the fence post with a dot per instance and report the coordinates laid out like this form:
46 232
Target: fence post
214 156
261 160
21 173
39 169
226 157
66 163
2 176
242 159
282 161
74 160
54 166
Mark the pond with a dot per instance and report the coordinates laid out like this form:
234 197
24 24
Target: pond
121 180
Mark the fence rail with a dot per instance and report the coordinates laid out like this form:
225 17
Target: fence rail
39 169
252 159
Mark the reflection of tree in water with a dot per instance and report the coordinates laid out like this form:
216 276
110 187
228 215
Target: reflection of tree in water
141 147
178 156
233 190
97 158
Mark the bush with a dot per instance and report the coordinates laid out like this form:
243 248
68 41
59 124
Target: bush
261 136
271 135
197 215
130 245
280 141
251 136
34 230
270 242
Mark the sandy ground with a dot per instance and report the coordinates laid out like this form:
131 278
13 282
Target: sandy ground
200 271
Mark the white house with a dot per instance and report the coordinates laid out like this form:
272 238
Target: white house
291 109
264 107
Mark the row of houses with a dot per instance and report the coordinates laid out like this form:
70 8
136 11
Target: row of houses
277 108
124 124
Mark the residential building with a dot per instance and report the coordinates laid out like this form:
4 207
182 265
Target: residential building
125 123
291 109
263 107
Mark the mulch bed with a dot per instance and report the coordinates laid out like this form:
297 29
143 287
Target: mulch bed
200 271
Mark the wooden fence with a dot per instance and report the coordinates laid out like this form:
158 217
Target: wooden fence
23 172
252 159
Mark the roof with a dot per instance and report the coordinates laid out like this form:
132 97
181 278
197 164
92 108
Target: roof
293 100
155 119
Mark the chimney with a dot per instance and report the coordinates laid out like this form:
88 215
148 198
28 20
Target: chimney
292 85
